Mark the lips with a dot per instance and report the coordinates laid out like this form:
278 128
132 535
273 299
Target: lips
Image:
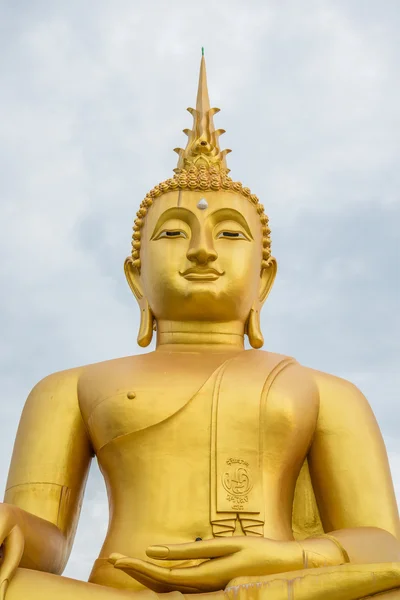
199 274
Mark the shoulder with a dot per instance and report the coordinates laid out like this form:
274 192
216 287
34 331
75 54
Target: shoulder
55 387
288 375
337 389
99 380
52 400
293 391
97 373
66 385
342 404
330 389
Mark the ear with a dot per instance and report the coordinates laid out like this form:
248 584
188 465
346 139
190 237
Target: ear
132 275
267 277
253 325
133 278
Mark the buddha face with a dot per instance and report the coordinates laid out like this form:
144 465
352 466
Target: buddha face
201 256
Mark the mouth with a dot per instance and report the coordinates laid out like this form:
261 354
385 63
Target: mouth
199 274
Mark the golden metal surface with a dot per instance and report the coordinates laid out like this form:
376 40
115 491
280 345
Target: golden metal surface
230 473
202 148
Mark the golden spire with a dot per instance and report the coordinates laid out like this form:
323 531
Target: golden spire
203 146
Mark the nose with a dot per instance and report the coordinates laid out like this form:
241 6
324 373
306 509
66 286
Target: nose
201 251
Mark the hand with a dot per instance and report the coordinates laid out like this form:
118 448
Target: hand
223 560
11 546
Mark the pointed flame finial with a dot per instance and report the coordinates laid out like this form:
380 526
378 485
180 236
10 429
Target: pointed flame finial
202 148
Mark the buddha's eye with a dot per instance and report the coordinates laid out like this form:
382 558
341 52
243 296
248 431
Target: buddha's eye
172 233
231 235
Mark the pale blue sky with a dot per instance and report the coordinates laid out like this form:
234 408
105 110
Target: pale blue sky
93 100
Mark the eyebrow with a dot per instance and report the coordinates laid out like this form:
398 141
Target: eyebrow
176 212
184 214
230 214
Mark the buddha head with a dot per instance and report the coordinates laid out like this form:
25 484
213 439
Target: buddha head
201 249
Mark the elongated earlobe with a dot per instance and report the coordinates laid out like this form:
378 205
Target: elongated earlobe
253 323
146 326
253 329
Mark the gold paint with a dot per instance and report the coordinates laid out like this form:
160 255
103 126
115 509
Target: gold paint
201 166
202 149
277 471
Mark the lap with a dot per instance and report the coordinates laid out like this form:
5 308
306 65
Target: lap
343 582
36 585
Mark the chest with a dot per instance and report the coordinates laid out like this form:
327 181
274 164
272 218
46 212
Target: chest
143 397
187 400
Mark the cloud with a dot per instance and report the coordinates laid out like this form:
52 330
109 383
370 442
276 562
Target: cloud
93 100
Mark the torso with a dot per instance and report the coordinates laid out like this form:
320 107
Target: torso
149 419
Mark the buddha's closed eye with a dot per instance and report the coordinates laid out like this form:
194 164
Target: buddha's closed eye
171 234
232 235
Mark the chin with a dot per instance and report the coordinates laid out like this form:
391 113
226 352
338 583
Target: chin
203 301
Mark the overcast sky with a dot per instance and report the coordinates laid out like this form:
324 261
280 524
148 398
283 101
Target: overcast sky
93 98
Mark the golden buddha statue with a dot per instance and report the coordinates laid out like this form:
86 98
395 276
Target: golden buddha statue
230 472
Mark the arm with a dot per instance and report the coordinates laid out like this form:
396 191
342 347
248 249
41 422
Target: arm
48 472
351 476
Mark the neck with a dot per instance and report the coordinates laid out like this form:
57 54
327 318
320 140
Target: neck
200 336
